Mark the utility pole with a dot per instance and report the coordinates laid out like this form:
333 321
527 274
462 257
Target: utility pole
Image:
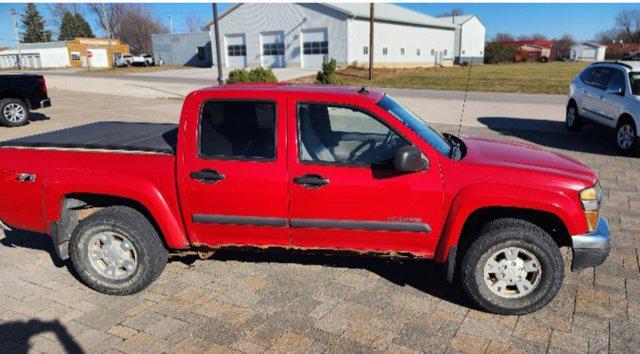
371 13
217 34
171 24
15 29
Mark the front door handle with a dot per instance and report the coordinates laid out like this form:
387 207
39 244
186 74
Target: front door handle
311 181
207 176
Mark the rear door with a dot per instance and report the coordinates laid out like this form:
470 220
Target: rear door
596 91
232 174
344 193
614 96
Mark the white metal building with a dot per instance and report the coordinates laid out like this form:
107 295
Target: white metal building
470 38
588 51
306 34
36 56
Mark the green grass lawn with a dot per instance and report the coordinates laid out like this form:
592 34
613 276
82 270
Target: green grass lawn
550 78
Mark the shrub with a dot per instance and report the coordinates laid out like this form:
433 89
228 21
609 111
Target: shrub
499 53
238 76
327 76
259 74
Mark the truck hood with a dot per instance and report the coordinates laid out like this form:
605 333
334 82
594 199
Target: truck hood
510 154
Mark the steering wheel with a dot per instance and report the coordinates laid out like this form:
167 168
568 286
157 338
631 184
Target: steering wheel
369 142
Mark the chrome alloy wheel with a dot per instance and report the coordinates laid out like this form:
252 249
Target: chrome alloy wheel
14 112
625 136
112 255
571 115
512 272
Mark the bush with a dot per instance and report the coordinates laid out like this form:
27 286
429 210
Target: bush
259 74
237 76
499 53
327 76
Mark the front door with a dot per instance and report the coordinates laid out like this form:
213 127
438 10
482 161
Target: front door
233 182
344 191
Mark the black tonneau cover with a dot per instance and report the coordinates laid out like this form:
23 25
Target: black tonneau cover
148 137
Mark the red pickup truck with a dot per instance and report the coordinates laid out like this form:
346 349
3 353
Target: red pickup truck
305 167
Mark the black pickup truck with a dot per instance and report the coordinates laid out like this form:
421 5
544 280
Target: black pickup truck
18 95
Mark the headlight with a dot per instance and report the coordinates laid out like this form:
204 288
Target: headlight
591 198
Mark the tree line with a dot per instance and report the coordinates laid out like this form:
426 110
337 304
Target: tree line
133 24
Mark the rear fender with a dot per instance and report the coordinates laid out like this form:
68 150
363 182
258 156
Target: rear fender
68 182
476 197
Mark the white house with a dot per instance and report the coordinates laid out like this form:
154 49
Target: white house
305 34
470 38
37 55
588 51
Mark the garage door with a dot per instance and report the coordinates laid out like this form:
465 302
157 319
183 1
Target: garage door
589 53
272 49
99 58
315 47
236 45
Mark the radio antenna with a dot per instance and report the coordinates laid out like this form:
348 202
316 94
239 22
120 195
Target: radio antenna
464 103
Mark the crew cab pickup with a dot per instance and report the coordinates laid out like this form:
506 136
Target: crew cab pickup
305 167
18 95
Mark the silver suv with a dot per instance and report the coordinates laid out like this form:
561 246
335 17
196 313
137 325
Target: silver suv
608 94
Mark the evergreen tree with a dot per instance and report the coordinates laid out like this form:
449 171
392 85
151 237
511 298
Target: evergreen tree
33 26
84 27
68 27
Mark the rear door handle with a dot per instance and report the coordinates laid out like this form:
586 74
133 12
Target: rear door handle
207 176
311 181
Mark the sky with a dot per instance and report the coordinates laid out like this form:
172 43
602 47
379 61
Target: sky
582 21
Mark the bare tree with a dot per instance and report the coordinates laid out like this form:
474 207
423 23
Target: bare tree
136 27
562 45
194 23
609 36
628 21
503 37
109 16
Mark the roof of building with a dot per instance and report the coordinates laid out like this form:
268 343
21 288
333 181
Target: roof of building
547 44
591 44
458 19
383 12
43 45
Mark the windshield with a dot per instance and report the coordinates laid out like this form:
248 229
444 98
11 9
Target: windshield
416 124
634 78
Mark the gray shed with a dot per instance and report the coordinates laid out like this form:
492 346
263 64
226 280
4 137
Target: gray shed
183 49
588 51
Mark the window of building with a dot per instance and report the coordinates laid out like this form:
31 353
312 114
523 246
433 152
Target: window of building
365 50
463 52
445 52
316 47
75 56
401 51
341 135
480 52
384 51
238 50
433 51
238 129
273 49
418 52
201 53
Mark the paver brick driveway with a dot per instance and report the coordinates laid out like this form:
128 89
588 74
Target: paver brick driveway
276 301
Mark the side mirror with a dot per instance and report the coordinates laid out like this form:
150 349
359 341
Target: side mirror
614 90
410 159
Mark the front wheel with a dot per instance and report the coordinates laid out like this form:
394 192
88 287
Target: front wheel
573 120
626 137
117 251
512 267
13 112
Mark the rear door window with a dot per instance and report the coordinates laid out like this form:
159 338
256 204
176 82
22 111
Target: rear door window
617 82
238 130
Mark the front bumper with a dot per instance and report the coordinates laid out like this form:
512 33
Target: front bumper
590 250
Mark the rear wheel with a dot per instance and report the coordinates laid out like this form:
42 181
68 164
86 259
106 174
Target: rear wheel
512 267
117 251
626 137
13 112
573 120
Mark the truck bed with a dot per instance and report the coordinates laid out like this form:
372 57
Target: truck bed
146 137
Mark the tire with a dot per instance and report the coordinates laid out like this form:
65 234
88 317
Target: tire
626 137
130 231
13 112
530 240
573 120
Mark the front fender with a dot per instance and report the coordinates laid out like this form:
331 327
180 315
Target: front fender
162 206
480 196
